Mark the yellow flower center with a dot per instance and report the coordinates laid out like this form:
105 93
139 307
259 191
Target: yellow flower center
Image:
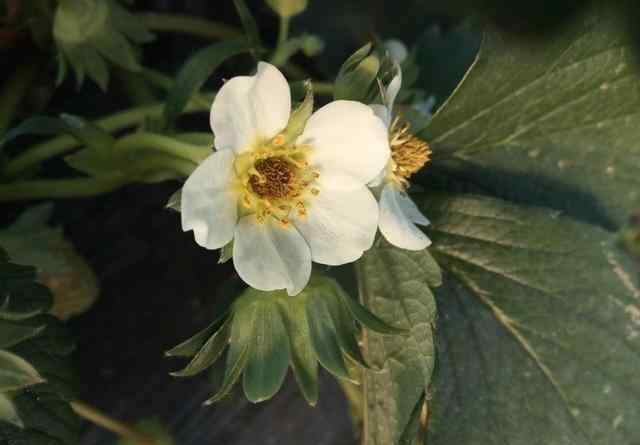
275 180
408 153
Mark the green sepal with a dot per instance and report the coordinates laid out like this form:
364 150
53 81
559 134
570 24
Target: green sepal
269 355
192 345
357 77
175 201
324 339
226 253
304 362
366 318
300 116
211 350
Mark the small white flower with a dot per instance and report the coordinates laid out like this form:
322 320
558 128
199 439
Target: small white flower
398 213
285 204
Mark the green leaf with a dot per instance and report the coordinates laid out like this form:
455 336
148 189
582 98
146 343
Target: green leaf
540 328
36 125
211 350
551 121
13 333
16 373
268 359
396 284
196 71
8 412
249 25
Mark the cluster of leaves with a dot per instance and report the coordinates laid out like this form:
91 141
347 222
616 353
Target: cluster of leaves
537 338
267 331
36 380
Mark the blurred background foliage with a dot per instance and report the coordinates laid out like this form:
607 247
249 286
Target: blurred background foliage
152 292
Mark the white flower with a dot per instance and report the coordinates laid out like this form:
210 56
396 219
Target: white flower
398 213
285 204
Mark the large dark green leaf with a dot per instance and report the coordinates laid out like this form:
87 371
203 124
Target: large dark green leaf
396 285
551 121
539 339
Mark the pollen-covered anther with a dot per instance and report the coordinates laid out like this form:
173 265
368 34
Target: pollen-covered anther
274 178
279 140
409 153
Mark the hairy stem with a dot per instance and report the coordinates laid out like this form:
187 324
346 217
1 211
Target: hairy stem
110 424
118 121
164 144
189 25
60 188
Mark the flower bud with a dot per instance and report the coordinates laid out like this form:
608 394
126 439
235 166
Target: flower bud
287 8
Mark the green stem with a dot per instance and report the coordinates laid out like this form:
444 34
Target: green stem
323 88
118 121
163 144
159 163
110 424
188 25
60 188
283 31
14 90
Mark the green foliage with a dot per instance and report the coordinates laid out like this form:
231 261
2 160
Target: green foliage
356 79
196 71
249 26
35 378
92 33
155 431
30 240
539 332
268 331
397 285
551 121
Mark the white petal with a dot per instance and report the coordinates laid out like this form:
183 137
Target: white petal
248 108
340 225
383 113
393 88
270 257
347 140
396 226
411 210
208 205
397 50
